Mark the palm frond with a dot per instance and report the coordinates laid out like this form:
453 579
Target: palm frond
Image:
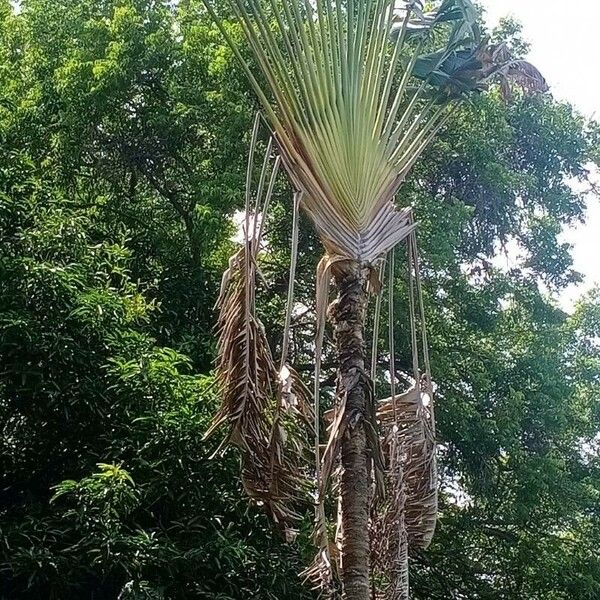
413 422
339 97
502 67
471 69
267 409
405 518
389 539
260 407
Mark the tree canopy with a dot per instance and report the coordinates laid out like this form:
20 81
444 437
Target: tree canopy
124 129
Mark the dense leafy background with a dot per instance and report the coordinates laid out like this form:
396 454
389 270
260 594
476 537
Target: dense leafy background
123 135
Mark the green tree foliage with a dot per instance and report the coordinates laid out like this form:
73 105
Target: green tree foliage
123 133
517 516
107 488
125 100
84 384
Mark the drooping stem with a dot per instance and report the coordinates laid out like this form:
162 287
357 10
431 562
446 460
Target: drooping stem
348 315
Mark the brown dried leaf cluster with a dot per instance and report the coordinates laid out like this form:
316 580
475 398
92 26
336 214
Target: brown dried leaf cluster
406 518
267 414
499 65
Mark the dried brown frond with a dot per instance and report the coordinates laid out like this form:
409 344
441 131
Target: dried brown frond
389 543
267 412
267 409
323 573
414 425
499 65
405 519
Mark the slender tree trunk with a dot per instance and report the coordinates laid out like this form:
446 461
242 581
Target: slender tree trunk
348 315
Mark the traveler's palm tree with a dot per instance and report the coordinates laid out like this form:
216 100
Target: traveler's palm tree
353 91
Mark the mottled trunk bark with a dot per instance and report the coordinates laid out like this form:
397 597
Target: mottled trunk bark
348 316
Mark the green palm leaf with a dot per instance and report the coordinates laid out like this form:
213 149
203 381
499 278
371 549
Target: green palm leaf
341 96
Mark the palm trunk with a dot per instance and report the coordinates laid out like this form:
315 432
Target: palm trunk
348 316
